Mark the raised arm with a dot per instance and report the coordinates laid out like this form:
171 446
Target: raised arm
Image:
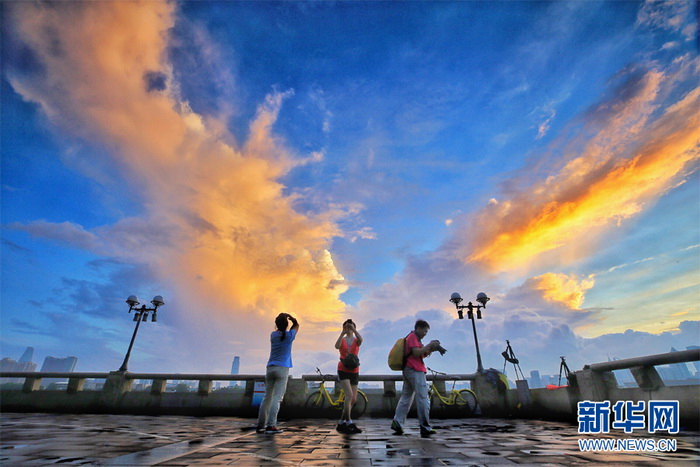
357 335
340 339
295 323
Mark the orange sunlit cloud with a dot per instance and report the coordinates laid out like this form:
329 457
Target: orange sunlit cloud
560 288
233 238
598 189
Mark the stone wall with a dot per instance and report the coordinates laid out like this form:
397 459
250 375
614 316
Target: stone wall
594 383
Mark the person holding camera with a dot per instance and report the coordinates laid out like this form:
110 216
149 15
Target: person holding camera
348 344
277 372
415 383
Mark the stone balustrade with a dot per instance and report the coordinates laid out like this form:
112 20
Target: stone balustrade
593 382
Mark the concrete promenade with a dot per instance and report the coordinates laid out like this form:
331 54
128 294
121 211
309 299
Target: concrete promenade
45 439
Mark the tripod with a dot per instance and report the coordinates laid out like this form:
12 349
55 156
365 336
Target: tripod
509 356
565 368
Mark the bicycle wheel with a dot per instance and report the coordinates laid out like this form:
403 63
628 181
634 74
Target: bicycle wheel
466 400
315 402
358 409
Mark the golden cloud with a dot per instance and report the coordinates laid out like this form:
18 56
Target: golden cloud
631 161
235 240
560 288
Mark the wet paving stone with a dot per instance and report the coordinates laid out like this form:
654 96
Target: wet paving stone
47 439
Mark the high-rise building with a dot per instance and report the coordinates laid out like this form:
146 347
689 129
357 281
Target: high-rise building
59 364
24 364
548 379
27 356
235 367
63 365
535 379
680 370
7 364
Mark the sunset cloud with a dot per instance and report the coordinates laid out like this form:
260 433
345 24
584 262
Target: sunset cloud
230 237
633 158
560 288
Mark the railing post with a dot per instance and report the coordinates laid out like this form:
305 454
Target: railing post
389 388
158 387
295 396
523 392
440 385
593 385
250 388
491 393
115 386
647 378
31 384
205 386
249 392
389 398
75 385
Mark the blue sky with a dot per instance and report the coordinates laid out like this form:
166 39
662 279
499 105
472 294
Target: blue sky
363 159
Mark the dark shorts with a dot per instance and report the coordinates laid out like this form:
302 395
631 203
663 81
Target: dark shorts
353 377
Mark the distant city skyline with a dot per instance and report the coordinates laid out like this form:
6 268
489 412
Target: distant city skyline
673 373
340 160
9 364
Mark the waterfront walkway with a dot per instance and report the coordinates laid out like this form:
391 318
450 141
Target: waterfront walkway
43 439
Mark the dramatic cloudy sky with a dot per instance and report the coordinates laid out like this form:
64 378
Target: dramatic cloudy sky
349 159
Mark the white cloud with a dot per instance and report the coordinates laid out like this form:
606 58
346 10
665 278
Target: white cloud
674 16
67 233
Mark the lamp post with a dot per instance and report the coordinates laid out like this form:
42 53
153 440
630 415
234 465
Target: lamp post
481 298
140 314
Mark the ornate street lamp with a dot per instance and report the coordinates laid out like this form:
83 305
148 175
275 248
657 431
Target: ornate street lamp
140 314
481 298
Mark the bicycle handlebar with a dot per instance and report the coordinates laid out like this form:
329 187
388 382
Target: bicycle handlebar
324 377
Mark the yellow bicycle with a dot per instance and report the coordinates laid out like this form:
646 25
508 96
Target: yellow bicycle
320 399
464 399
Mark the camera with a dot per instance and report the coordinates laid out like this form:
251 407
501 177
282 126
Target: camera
436 346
